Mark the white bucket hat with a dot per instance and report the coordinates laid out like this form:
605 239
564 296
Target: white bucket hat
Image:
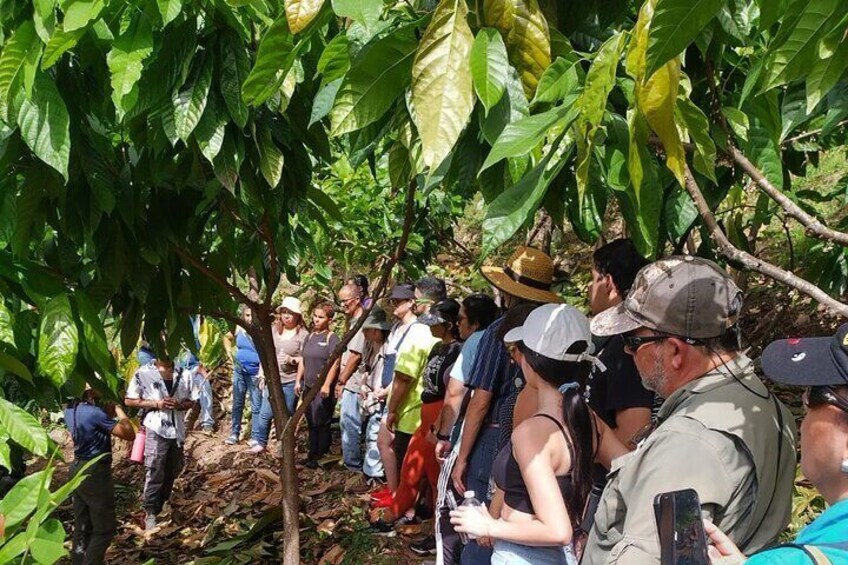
291 304
551 329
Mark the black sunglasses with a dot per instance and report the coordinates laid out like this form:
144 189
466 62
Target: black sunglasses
634 342
815 396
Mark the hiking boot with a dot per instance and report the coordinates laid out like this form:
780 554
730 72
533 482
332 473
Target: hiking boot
149 522
383 528
232 440
425 547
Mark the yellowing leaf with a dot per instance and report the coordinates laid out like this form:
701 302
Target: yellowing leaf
300 13
442 93
600 80
656 100
528 40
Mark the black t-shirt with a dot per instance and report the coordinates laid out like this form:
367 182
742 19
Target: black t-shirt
620 386
316 350
435 376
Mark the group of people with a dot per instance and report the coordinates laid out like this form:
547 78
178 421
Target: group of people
565 429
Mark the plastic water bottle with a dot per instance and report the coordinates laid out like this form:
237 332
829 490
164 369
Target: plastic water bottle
470 500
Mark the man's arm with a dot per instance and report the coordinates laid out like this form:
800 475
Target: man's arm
401 385
629 422
353 361
145 404
123 429
450 409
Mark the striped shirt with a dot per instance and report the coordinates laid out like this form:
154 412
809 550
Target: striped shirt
493 372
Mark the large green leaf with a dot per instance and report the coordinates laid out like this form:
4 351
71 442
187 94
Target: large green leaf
190 100
19 48
558 81
512 106
227 163
489 66
795 47
14 366
324 100
600 80
300 13
126 61
23 429
169 10
763 144
335 60
58 340
60 42
698 126
78 13
270 157
517 204
376 78
520 137
22 500
7 325
209 132
44 123
676 24
234 69
825 74
94 337
275 58
442 91
365 12
49 543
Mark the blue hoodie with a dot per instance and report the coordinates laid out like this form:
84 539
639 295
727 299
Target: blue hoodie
246 356
829 528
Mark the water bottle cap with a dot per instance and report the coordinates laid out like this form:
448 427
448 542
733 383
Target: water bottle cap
468 494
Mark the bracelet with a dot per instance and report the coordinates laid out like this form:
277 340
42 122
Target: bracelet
442 437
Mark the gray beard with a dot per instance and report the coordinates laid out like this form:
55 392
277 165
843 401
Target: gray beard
656 380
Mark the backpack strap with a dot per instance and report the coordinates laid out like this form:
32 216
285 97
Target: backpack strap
815 554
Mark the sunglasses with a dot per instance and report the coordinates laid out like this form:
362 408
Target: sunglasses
633 342
815 396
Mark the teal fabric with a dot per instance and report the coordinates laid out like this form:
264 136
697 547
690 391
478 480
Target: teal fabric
829 528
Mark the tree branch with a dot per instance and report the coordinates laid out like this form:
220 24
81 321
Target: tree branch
812 133
388 265
748 261
214 277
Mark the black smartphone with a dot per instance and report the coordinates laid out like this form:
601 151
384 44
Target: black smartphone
681 528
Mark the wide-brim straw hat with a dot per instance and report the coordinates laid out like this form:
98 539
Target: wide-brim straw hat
528 275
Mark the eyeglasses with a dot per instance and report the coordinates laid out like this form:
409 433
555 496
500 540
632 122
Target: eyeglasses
815 396
633 342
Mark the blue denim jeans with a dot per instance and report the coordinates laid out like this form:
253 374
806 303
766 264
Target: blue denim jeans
351 425
372 465
206 400
477 479
508 553
244 384
262 423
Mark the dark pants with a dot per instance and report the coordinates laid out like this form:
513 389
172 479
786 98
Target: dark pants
400 446
163 459
318 417
94 513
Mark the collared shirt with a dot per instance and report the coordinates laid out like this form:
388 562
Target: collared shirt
719 434
493 372
148 384
829 528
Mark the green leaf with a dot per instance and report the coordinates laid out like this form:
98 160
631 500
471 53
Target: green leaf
270 157
169 9
22 500
763 144
558 81
45 125
274 59
770 11
365 12
300 13
24 430
600 80
324 100
190 100
796 42
228 161
58 340
676 24
79 13
825 74
442 91
517 204
698 126
520 137
94 337
235 68
60 42
14 366
738 121
13 548
335 60
126 61
18 49
49 543
377 77
512 106
489 66
209 132
326 203
7 325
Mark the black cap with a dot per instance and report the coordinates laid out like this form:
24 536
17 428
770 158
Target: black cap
809 361
404 291
441 312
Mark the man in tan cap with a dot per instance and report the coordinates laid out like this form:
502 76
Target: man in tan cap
526 278
719 431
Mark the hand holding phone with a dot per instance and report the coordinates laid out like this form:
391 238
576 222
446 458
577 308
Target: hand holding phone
681 528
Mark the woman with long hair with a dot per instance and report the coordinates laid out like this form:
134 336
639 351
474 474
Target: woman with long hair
549 452
289 335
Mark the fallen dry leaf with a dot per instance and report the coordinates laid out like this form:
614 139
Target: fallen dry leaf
333 557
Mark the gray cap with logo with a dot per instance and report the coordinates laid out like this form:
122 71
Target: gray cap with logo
680 295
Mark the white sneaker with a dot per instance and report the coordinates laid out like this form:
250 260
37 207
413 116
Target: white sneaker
149 522
252 443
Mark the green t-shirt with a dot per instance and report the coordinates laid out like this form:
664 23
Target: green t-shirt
411 360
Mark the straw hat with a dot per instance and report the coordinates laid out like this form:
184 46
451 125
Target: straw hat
528 275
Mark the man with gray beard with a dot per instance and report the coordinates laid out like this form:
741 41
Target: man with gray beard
719 430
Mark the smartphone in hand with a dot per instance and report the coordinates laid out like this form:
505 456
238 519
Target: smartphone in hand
681 528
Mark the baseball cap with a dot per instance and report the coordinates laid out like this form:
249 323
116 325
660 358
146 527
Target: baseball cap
551 329
404 291
685 296
378 320
291 304
809 361
441 312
